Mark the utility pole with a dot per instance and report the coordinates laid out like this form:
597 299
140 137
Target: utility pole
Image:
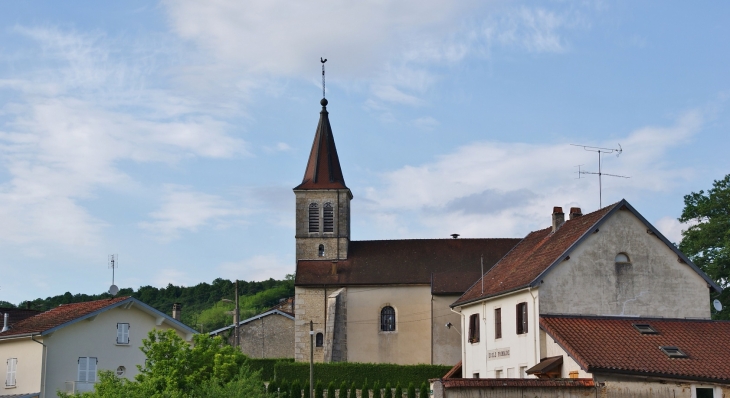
311 359
235 319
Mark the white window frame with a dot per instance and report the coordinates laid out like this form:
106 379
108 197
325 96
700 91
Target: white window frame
716 391
12 371
122 333
87 372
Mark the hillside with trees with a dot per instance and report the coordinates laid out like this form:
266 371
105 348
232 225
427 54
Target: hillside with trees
202 305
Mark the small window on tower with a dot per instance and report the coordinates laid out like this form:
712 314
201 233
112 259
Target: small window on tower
320 252
328 217
313 217
319 340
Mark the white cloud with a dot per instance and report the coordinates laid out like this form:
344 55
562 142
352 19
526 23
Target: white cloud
183 209
257 268
504 189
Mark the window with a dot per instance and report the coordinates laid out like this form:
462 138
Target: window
328 218
87 369
673 352
122 333
475 376
704 392
121 370
510 373
313 217
497 323
320 251
622 258
644 328
474 328
12 370
523 372
498 374
387 319
521 318
319 340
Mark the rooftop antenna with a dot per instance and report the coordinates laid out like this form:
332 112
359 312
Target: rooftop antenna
322 60
600 151
113 263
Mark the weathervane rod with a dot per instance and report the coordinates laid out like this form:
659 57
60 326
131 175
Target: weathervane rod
322 60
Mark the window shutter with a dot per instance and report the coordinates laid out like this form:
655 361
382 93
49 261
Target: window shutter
12 368
497 323
122 333
524 317
83 366
126 333
91 376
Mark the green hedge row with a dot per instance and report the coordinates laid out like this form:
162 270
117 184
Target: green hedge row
266 365
360 373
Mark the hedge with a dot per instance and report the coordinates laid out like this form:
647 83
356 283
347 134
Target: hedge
359 373
266 366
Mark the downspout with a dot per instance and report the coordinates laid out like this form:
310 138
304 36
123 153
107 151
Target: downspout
44 359
536 327
486 340
463 345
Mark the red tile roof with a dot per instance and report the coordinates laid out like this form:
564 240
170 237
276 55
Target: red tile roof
454 263
532 256
535 383
58 316
16 315
613 345
323 168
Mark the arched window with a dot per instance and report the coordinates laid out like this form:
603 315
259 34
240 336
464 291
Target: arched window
623 258
319 340
387 319
320 252
313 217
328 217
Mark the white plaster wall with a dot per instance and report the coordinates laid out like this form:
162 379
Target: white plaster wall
97 338
524 348
549 348
409 344
656 284
28 372
446 342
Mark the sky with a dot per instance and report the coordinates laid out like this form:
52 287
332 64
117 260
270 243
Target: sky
171 133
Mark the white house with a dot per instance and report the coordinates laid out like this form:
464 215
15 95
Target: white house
609 263
63 348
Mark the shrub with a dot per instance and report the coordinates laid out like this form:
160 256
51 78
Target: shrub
398 391
388 391
343 390
411 391
376 390
266 366
296 390
318 390
353 390
273 385
423 391
365 390
331 390
306 389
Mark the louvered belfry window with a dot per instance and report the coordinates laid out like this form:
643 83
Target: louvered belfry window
328 217
387 319
314 217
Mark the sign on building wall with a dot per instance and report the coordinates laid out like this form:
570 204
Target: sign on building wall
498 353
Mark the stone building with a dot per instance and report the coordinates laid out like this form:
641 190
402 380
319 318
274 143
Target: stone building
266 335
374 301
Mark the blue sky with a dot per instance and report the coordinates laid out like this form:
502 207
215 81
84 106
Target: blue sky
171 133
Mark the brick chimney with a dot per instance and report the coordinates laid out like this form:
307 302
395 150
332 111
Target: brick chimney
176 310
575 212
558 217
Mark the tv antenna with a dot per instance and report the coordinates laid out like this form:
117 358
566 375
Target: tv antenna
600 151
113 263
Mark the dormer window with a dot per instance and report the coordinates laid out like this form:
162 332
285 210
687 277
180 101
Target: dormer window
673 352
314 217
320 252
622 258
644 328
328 217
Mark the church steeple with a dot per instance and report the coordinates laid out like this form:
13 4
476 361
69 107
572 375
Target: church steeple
323 168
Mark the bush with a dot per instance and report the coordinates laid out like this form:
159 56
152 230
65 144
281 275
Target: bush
423 391
353 390
376 390
411 391
388 391
306 389
365 390
398 391
343 390
296 390
318 390
273 385
284 389
331 390
360 372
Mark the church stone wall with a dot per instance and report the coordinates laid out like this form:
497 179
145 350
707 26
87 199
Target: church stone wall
310 305
335 243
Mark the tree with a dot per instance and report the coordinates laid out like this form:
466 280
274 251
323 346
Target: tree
423 391
707 240
388 391
296 390
376 390
343 389
318 390
331 390
353 390
398 391
411 391
365 392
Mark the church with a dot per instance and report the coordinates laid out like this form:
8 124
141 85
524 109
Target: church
379 301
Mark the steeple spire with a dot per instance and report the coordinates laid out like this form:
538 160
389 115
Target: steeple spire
323 168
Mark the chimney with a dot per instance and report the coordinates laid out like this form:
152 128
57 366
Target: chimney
558 217
575 212
5 323
176 309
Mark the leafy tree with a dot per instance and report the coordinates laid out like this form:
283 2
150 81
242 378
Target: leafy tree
707 241
376 390
423 391
411 391
388 391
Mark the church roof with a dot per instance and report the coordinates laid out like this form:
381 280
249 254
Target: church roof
623 345
323 168
541 250
453 264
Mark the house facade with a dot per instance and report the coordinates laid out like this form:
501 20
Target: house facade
62 349
374 301
266 335
607 266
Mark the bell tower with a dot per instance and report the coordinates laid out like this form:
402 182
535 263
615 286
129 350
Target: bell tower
323 200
